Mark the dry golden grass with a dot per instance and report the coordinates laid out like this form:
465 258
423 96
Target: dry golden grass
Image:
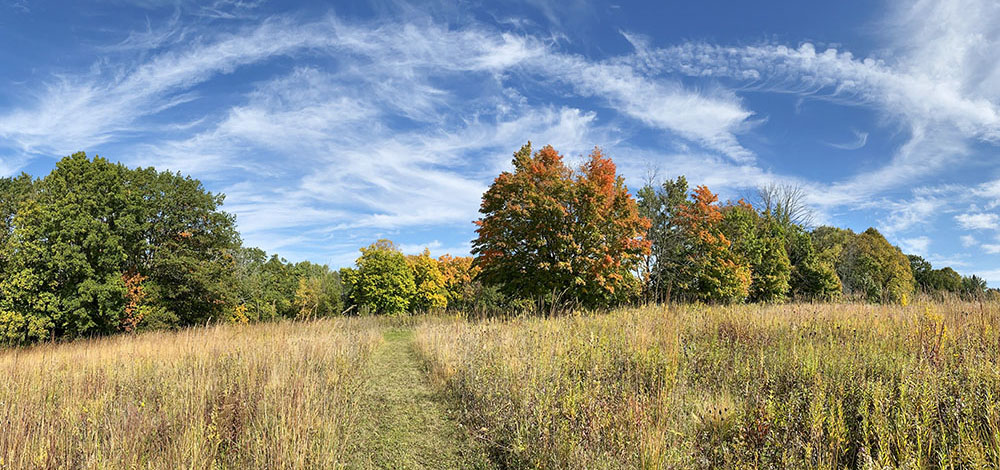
788 386
277 395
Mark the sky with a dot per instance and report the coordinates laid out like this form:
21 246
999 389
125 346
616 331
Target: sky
331 125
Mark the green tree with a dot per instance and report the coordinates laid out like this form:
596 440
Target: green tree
13 193
930 280
759 242
818 280
813 275
325 285
921 269
668 251
97 247
974 287
65 256
174 233
874 269
946 279
714 272
382 281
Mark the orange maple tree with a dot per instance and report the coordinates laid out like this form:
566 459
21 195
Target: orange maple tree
714 273
549 232
459 278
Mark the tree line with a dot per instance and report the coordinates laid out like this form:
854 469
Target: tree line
95 247
576 237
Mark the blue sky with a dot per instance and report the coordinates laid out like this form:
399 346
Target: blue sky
330 125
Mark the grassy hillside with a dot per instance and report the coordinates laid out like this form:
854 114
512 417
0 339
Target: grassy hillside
794 386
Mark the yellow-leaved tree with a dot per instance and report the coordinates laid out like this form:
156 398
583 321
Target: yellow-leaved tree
430 282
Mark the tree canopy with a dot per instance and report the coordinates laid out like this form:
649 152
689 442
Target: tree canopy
96 246
382 281
553 234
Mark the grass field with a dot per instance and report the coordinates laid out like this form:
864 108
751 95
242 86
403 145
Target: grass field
279 395
786 386
792 386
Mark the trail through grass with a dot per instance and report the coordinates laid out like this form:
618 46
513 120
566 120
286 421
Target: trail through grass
409 426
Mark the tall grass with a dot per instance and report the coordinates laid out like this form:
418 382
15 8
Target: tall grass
278 395
791 386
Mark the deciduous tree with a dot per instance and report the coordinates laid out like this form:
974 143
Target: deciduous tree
92 235
66 256
460 282
715 273
668 251
759 243
382 281
874 269
429 281
552 234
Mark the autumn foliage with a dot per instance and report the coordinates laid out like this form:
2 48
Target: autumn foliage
134 296
459 279
557 235
714 272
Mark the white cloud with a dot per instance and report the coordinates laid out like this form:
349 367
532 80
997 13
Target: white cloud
989 192
979 221
903 215
916 245
991 248
860 139
940 84
991 276
367 132
969 241
77 112
347 175
328 129
712 120
436 248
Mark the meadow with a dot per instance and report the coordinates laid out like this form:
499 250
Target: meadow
270 395
660 387
785 386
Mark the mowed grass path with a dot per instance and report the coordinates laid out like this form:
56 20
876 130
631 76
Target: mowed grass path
408 426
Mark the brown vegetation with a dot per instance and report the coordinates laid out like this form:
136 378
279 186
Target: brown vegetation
790 386
275 395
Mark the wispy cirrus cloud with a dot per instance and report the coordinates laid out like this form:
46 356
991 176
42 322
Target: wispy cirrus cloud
978 221
939 85
334 131
395 124
860 139
84 111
